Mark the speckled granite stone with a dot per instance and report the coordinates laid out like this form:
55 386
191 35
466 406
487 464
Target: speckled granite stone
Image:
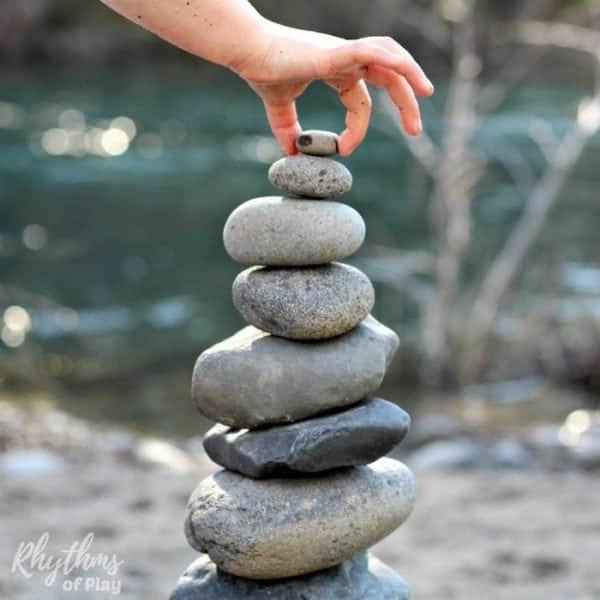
310 176
309 303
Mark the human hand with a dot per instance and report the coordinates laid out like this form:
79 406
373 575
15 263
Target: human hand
287 60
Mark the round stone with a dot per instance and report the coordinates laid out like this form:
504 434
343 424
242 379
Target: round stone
349 437
362 578
254 378
317 142
310 176
276 528
308 303
286 232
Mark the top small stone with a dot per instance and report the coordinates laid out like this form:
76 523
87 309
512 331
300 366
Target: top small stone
317 143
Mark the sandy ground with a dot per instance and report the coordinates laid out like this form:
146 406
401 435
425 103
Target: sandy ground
474 535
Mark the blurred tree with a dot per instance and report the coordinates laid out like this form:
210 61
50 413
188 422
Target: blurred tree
457 324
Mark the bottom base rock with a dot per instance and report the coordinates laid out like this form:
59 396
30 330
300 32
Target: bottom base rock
362 578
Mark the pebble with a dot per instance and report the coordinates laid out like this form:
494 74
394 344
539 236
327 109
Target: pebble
317 142
286 232
277 528
509 453
310 303
354 436
310 176
362 578
253 378
30 463
460 453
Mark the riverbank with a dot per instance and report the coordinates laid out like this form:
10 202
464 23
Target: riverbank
476 532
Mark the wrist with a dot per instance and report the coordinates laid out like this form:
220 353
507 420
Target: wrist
253 47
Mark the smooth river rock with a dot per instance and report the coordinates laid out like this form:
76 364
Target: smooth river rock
310 176
317 142
362 578
254 378
305 303
276 528
352 436
286 232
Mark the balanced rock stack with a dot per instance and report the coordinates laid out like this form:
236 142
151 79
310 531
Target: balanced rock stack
304 491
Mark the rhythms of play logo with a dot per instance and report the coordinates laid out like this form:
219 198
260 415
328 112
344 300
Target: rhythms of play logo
79 569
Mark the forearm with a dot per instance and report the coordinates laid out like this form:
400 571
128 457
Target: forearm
225 32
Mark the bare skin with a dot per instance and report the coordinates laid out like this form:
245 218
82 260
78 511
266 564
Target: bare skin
280 62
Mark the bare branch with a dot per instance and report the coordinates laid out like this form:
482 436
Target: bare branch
510 259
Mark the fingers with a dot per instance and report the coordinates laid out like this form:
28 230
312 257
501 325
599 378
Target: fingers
383 52
420 83
283 120
402 96
358 104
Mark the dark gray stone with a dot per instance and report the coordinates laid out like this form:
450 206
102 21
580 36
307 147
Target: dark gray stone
284 527
310 176
362 578
354 436
317 143
291 232
304 303
254 378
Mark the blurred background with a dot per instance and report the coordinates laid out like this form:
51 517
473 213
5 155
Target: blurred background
120 160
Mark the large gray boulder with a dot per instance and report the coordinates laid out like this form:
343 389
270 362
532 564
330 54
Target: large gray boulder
308 303
254 378
352 436
362 578
288 232
276 528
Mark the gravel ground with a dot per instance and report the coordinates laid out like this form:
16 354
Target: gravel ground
474 534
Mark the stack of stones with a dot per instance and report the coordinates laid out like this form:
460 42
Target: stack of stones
304 491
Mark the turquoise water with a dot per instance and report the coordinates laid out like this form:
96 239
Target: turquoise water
118 260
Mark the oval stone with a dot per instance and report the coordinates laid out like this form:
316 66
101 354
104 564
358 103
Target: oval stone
362 578
352 436
317 142
254 378
286 232
310 176
277 528
309 303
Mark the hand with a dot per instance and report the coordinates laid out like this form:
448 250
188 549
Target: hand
288 60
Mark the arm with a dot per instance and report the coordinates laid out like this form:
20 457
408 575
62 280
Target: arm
280 62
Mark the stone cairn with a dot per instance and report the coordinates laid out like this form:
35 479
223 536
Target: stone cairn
304 491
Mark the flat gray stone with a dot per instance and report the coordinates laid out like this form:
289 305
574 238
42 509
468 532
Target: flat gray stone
254 378
317 142
310 176
275 528
304 303
362 578
286 232
352 436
